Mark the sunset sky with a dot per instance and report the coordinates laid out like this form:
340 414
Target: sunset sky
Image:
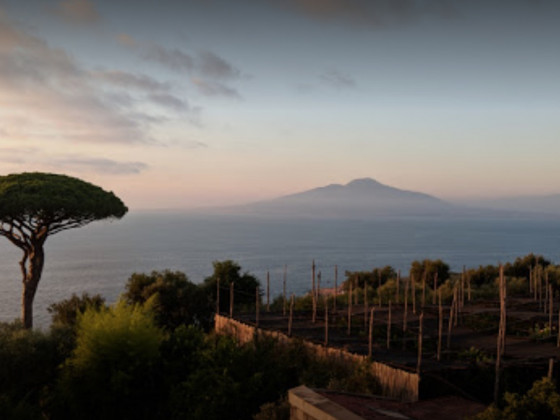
188 103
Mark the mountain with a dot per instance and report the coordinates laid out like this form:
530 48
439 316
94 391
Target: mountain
359 199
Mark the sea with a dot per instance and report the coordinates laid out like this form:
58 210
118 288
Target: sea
100 257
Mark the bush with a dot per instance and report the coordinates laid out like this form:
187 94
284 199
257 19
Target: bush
28 362
112 372
65 312
177 301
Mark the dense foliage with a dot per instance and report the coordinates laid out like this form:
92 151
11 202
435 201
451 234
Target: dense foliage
176 299
228 272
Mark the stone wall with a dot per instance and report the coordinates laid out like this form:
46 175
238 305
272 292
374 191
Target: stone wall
395 383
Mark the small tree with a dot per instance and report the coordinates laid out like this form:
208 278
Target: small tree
178 300
36 205
229 271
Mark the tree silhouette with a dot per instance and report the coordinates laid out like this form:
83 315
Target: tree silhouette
36 205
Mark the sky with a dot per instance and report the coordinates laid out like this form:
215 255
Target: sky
180 104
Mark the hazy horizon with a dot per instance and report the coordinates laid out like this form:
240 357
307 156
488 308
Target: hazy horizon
190 104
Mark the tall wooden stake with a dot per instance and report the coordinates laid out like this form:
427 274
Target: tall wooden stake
413 287
558 330
420 338
231 285
405 310
291 318
501 332
313 294
468 284
350 292
284 279
423 289
318 285
268 291
462 294
450 326
370 335
435 288
530 281
218 296
379 287
335 287
550 308
440 326
389 327
326 320
397 298
257 306
366 311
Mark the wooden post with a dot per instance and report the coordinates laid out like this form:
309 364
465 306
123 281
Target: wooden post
420 337
450 326
218 296
413 288
257 307
284 290
558 330
268 291
370 335
318 286
435 288
389 327
313 295
550 308
456 299
379 287
462 290
546 300
423 289
335 287
541 286
231 285
550 367
405 309
530 281
397 297
469 284
349 330
503 302
366 310
291 318
326 320
501 333
440 326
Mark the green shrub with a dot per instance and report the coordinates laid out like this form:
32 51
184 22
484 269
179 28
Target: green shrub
113 371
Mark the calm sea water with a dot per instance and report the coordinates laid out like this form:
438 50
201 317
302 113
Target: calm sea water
100 257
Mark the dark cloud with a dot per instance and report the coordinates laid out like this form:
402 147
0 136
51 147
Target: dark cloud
369 12
130 80
101 165
77 11
207 70
213 88
174 59
215 67
338 80
169 101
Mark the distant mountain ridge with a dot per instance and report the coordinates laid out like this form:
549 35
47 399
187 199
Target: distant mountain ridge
360 198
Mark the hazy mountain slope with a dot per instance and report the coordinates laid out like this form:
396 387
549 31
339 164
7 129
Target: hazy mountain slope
361 198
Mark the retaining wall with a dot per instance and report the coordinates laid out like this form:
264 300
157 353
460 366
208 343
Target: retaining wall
395 383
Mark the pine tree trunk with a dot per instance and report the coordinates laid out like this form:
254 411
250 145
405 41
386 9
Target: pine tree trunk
31 268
